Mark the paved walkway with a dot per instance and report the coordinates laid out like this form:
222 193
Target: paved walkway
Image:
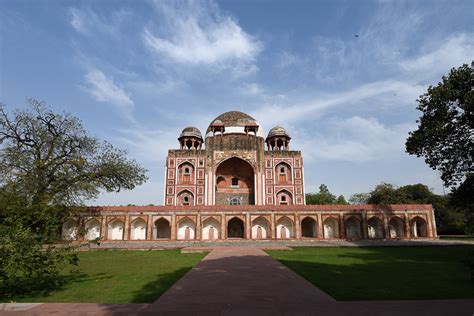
246 281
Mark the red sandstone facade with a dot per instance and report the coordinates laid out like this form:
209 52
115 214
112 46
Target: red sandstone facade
235 188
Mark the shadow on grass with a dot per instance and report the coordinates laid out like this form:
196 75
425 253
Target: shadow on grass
385 273
152 290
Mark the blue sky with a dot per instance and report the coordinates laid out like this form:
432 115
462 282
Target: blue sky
138 72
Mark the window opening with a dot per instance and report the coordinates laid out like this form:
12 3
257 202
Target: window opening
235 183
235 201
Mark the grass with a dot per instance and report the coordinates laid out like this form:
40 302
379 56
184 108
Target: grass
116 277
466 238
384 273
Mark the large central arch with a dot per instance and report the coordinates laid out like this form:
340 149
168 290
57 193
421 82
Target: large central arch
235 182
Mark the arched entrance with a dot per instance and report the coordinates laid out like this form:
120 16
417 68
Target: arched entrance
375 228
396 227
308 228
162 229
353 228
235 181
70 229
331 228
235 228
418 227
92 229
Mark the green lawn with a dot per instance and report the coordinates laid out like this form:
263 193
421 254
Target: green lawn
384 273
121 277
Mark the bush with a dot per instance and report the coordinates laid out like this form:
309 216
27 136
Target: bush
25 264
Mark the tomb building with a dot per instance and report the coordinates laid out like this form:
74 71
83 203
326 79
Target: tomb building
238 183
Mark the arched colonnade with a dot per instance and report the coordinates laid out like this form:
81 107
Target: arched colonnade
248 226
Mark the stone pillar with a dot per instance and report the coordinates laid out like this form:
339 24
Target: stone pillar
385 227
198 227
223 226
103 229
273 226
364 225
149 228
297 232
126 228
173 227
342 229
407 226
431 219
320 226
248 226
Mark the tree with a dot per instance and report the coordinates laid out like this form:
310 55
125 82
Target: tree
324 197
462 199
445 134
359 198
49 159
385 193
48 166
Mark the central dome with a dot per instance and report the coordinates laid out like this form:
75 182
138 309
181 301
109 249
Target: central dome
234 122
232 118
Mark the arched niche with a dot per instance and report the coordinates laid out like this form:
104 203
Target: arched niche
396 227
186 229
353 228
92 228
284 197
375 228
185 198
70 229
210 229
282 173
260 228
235 178
115 230
186 173
331 228
285 228
138 229
418 227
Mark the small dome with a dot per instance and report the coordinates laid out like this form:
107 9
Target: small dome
191 132
278 131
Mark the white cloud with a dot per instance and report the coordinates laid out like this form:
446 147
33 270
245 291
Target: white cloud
356 139
315 106
251 89
452 52
104 89
194 34
77 20
87 22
